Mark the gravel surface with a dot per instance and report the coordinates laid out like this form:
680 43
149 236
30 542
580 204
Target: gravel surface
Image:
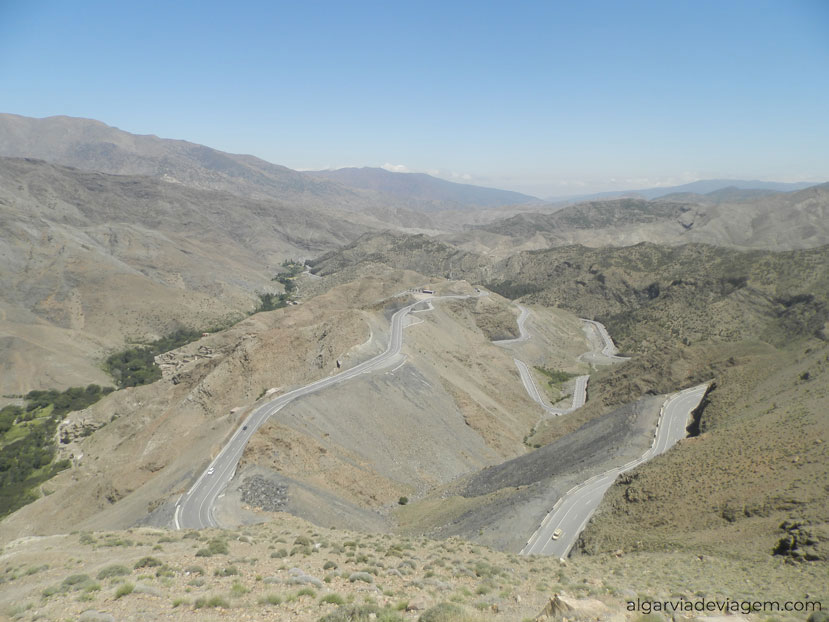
263 493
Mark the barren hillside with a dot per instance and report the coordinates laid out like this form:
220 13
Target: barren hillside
776 221
91 261
754 322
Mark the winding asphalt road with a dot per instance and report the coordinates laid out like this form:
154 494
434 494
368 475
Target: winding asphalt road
609 348
195 508
580 387
579 391
523 335
574 509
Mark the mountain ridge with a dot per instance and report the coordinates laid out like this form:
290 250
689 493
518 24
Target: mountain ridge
776 221
426 186
90 144
701 186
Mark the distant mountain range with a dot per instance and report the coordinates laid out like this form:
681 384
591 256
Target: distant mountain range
425 187
728 217
399 200
700 187
92 145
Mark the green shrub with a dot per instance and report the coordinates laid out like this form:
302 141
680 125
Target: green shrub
217 547
136 366
403 500
133 367
147 562
114 570
50 591
76 579
27 462
307 591
218 601
483 569
361 576
211 603
226 572
305 550
443 612
124 589
271 302
271 599
555 376
361 613
333 599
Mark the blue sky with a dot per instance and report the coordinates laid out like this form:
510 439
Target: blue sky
550 98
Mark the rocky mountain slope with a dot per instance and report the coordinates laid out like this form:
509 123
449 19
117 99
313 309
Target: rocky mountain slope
150 441
774 221
398 250
342 457
752 483
92 260
754 322
647 294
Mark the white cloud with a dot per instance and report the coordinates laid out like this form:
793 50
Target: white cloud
396 168
661 182
463 176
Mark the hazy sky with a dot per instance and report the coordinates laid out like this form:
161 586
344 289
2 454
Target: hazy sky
549 98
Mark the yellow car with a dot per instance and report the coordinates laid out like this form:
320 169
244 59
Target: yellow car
556 534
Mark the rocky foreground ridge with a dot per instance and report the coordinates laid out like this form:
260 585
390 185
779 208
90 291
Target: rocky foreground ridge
291 570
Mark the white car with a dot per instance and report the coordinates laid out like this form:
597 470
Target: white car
210 471
556 534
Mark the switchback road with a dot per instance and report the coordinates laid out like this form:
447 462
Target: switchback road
571 513
580 387
195 508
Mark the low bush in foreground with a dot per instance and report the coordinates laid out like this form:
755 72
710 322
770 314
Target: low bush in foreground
115 570
123 590
213 602
361 613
